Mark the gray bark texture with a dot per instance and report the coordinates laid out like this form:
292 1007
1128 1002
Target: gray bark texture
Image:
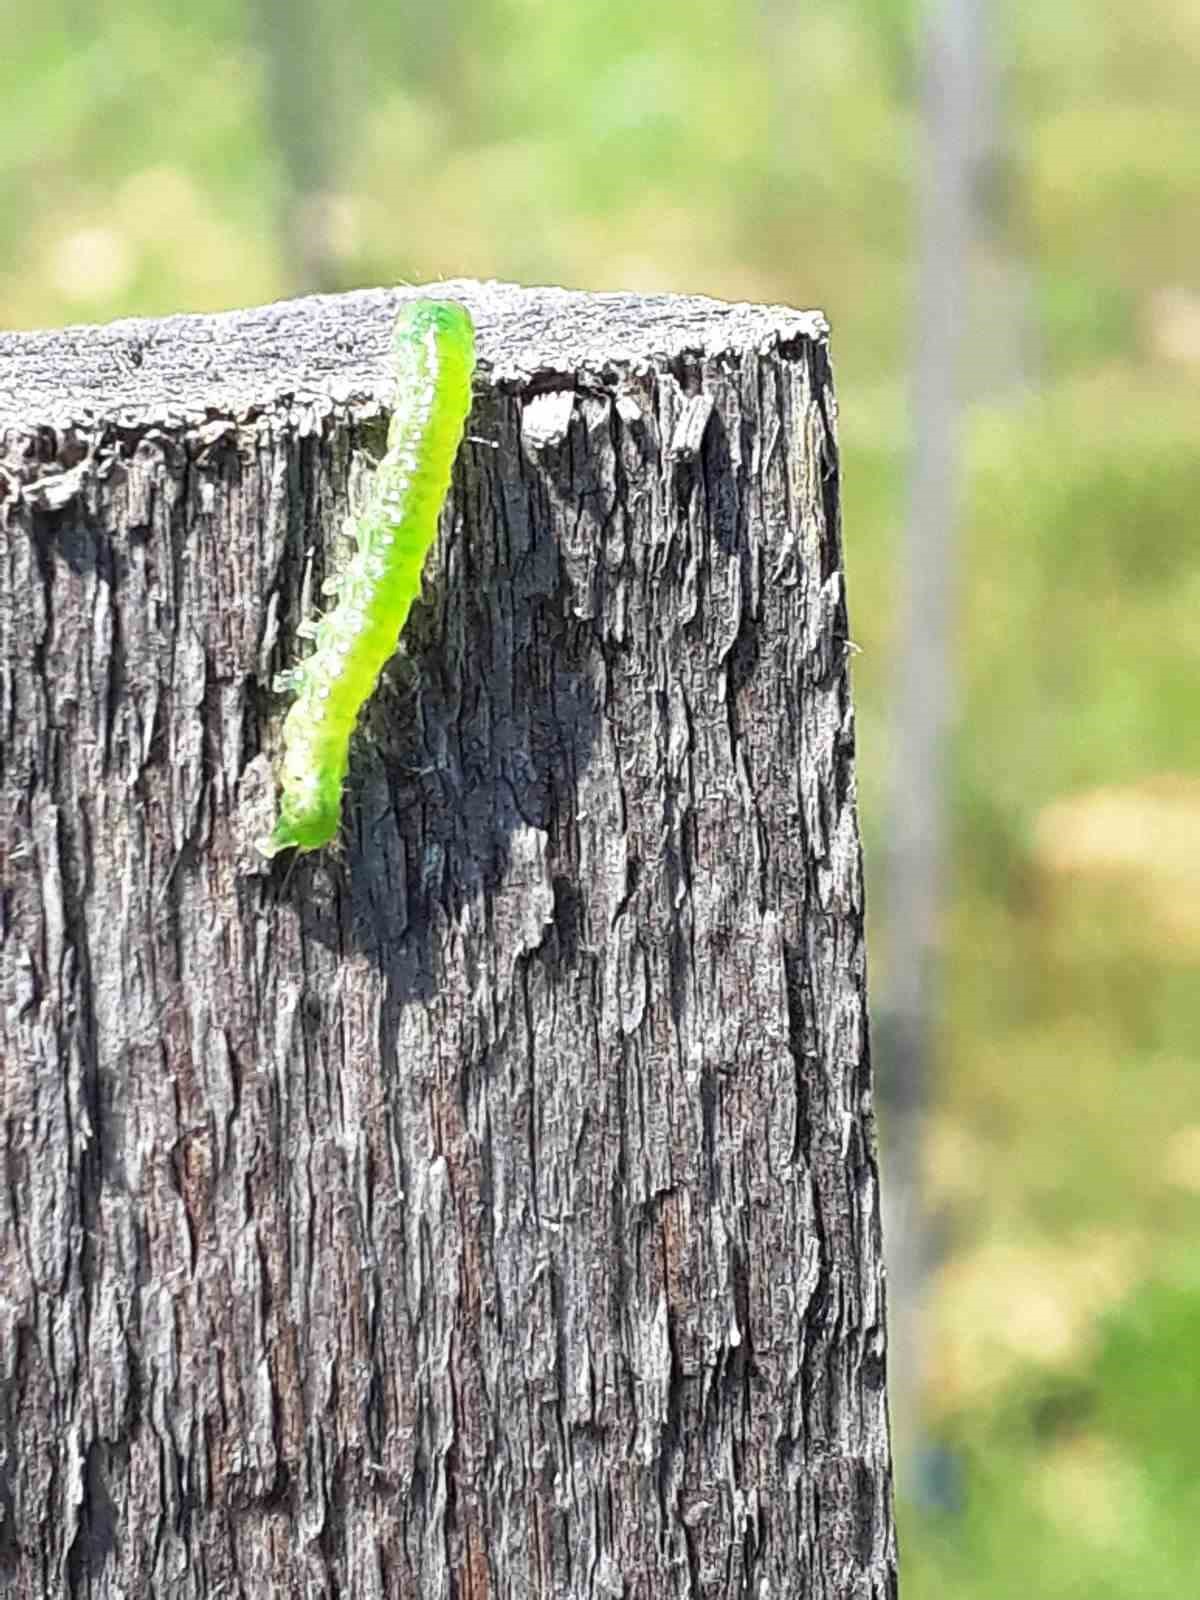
486 1206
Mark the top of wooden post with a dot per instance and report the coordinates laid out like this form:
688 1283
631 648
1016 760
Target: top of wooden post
177 369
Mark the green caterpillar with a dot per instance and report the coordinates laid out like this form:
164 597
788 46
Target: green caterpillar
433 346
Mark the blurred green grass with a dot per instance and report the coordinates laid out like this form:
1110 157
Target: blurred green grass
769 153
1081 1483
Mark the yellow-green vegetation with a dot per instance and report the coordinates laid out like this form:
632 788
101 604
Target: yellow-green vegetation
768 151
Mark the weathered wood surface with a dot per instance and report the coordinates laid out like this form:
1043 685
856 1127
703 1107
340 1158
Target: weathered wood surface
487 1207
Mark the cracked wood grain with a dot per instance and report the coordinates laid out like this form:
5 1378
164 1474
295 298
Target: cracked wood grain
487 1207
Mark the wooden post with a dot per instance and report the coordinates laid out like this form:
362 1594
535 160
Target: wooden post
486 1207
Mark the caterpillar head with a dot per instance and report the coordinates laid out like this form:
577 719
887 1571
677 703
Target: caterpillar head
310 810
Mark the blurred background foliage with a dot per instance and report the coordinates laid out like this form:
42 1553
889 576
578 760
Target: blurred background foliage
154 159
